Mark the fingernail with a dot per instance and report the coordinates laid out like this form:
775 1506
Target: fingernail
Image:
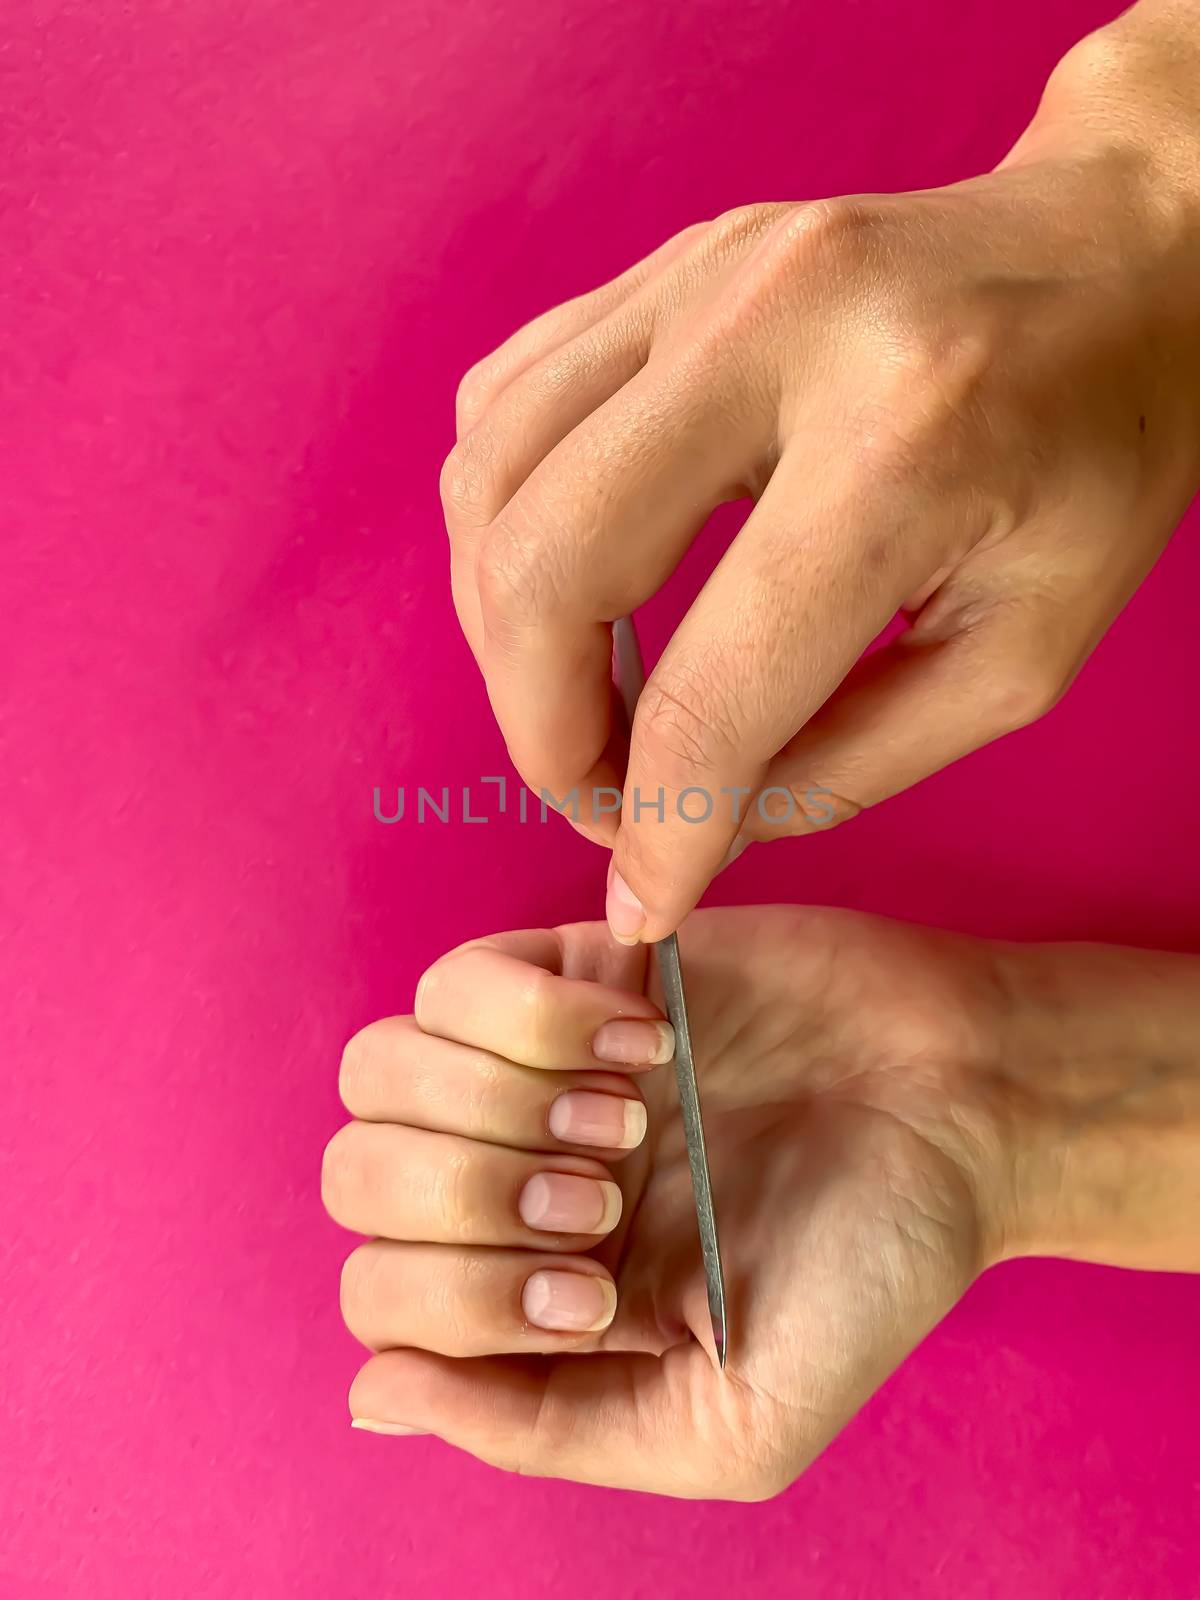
634 1042
594 831
734 851
557 1202
607 1120
625 912
370 1425
569 1302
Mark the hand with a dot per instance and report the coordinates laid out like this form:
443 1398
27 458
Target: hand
978 405
888 1109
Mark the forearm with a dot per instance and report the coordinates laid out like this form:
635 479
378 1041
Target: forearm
1098 1097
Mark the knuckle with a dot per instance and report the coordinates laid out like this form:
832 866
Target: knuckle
820 807
683 725
472 395
482 1096
672 725
1023 695
830 246
465 479
842 230
731 230
801 806
732 239
557 375
443 979
535 1002
456 485
681 251
453 1186
508 577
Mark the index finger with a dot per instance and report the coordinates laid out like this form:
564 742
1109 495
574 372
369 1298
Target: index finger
593 532
509 995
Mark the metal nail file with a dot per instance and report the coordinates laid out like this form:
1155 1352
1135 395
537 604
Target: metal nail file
631 676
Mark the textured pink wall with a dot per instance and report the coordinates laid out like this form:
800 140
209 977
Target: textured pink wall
248 248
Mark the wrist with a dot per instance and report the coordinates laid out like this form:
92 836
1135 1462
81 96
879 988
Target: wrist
1111 161
1096 1103
1128 98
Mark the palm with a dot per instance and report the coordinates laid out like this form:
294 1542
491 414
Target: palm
825 1045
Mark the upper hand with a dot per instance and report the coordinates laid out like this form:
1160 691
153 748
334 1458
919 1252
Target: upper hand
976 404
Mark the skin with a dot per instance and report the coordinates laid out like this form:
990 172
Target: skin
977 405
913 1106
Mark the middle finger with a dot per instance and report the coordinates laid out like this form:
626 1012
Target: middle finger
595 530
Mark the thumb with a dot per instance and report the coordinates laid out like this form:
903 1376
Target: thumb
905 712
624 1421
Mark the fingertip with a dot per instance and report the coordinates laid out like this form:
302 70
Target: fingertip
595 833
474 1402
376 1425
657 884
739 844
624 911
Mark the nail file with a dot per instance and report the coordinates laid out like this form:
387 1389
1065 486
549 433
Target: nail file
631 676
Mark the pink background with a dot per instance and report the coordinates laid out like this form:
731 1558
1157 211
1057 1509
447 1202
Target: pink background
248 248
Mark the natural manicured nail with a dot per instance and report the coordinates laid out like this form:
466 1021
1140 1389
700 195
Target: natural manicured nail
569 1302
634 1042
607 1120
371 1425
625 912
559 1202
734 851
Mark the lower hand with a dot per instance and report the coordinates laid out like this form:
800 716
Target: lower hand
887 1110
